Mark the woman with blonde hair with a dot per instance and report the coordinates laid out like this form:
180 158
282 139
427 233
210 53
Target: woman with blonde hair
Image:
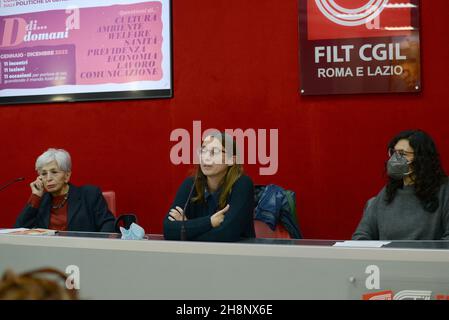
217 204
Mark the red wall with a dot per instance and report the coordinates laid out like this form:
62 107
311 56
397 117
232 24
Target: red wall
235 66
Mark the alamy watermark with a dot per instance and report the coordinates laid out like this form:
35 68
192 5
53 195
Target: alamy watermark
254 146
73 277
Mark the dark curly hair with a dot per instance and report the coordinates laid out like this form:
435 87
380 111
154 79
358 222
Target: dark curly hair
428 172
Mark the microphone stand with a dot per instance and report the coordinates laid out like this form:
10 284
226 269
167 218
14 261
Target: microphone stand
183 235
6 185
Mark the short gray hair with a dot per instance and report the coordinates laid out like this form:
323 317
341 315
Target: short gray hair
61 157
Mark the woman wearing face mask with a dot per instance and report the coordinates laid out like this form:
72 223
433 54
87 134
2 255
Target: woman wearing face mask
414 205
59 205
221 204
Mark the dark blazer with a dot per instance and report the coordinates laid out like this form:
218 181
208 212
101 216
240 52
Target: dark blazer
238 221
87 211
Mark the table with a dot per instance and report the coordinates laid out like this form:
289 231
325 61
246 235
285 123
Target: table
111 268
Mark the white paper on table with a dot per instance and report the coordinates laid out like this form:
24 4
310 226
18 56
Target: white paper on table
5 231
361 244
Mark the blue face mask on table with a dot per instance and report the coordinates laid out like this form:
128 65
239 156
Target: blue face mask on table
135 232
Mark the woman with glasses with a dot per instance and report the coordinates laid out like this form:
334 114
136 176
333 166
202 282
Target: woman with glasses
414 205
59 205
217 204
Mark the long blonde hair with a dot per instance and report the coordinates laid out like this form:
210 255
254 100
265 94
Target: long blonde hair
34 285
233 173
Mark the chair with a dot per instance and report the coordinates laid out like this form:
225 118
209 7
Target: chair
263 230
109 196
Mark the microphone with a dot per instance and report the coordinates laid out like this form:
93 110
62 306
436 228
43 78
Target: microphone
183 235
6 185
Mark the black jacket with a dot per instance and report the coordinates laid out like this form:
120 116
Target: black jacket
238 221
87 211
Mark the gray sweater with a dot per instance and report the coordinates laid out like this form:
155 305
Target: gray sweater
404 218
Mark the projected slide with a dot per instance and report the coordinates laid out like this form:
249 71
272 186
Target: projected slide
74 50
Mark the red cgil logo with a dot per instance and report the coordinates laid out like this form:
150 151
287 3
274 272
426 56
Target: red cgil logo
404 295
337 19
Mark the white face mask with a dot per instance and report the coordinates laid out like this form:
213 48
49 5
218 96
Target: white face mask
135 232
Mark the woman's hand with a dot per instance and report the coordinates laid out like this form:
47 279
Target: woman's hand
217 218
176 214
37 187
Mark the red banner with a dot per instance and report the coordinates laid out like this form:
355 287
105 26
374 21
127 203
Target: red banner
359 46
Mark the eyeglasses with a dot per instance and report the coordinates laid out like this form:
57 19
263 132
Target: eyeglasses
213 153
402 153
46 175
